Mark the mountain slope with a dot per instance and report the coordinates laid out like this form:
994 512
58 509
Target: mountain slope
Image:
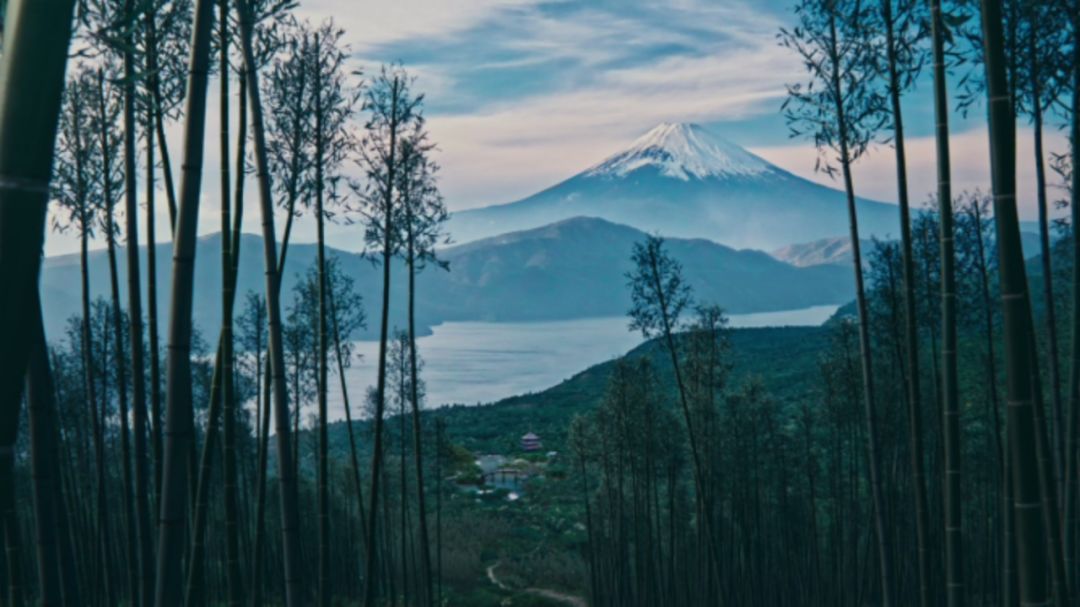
837 251
682 152
577 268
570 269
784 359
683 181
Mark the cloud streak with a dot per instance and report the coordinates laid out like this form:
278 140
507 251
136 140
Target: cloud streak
525 93
875 175
628 73
404 20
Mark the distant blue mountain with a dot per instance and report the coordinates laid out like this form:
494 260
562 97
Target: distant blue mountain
837 251
570 269
577 268
684 181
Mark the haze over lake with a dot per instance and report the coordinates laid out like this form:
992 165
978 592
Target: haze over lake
481 362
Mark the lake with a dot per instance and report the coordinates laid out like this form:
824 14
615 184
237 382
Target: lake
481 362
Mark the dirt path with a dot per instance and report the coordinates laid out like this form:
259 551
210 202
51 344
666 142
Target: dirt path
554 595
495 580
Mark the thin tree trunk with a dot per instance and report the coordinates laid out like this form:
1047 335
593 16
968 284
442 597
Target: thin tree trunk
262 415
594 593
380 389
44 467
954 564
220 386
159 116
294 175
348 418
707 522
103 531
884 547
1047 483
151 270
230 258
1030 528
118 346
992 387
12 542
439 431
138 378
324 448
403 485
179 429
69 570
1057 428
911 333
414 399
1074 369
260 501
1011 585
90 385
262 379
290 527
195 591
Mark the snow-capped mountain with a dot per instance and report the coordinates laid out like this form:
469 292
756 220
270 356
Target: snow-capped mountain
683 180
682 151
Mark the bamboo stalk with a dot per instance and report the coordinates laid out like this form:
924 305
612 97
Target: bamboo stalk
911 330
1071 448
37 33
230 260
179 423
43 445
294 594
142 537
954 563
31 84
1024 465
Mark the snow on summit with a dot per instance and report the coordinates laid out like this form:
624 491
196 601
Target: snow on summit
683 151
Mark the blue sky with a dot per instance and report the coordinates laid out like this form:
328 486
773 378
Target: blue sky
522 94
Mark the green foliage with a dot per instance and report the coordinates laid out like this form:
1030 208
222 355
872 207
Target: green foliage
835 108
657 290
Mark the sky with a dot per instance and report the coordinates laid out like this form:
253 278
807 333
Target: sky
522 94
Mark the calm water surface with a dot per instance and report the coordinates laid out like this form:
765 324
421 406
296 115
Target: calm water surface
481 362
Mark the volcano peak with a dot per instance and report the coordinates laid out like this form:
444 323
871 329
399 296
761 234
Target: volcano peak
683 151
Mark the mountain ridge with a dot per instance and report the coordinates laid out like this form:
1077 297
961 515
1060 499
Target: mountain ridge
570 269
683 181
837 251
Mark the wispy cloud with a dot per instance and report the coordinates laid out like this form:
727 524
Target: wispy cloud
875 175
406 20
525 93
619 73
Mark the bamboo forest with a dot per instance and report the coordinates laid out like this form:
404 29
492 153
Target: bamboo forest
539 303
